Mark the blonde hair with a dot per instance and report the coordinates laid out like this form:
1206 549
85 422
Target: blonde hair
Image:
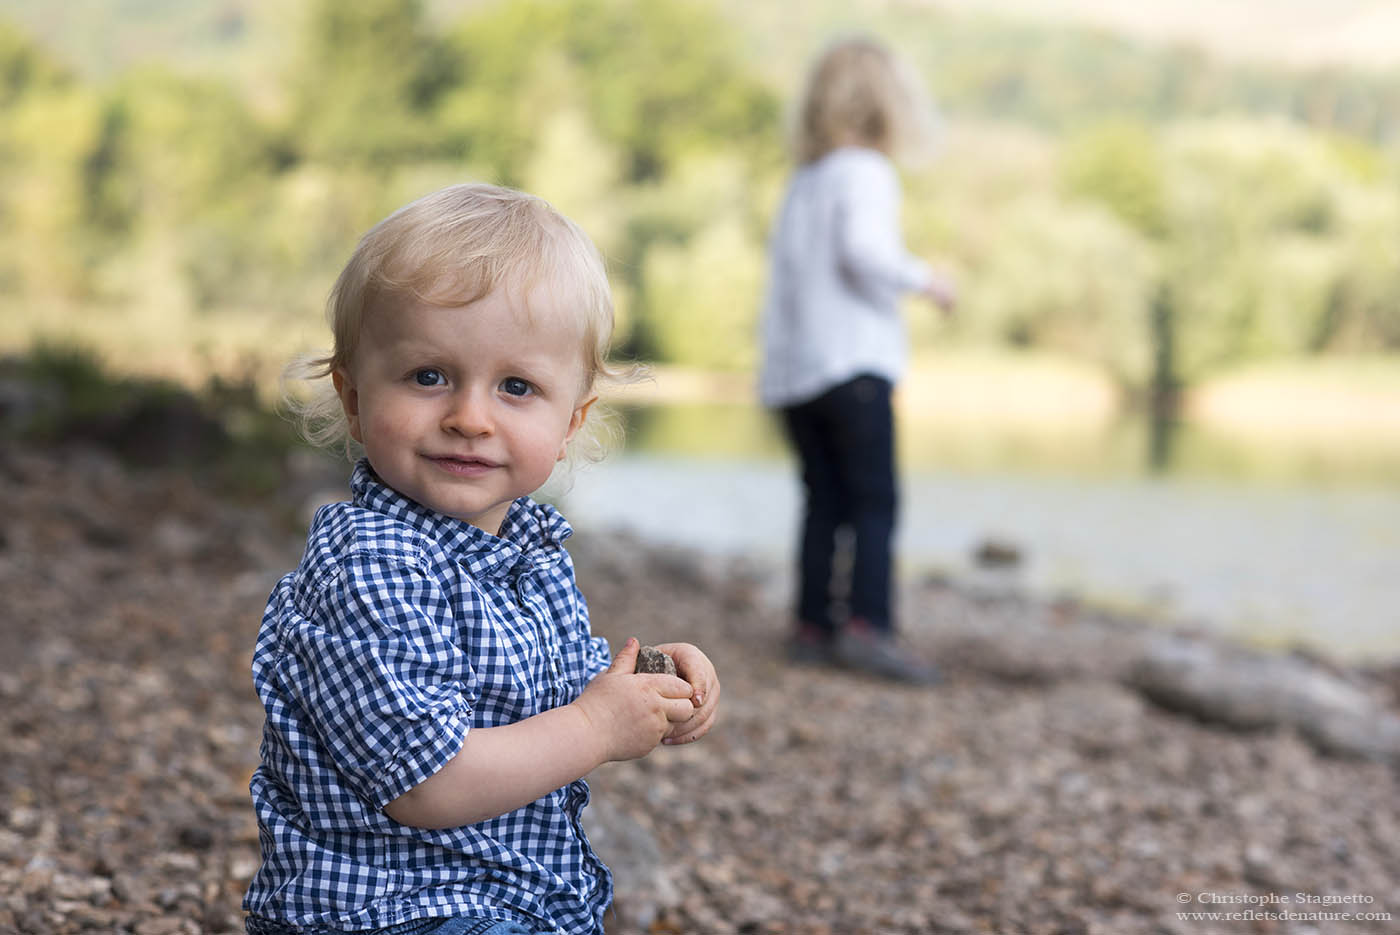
449 249
858 92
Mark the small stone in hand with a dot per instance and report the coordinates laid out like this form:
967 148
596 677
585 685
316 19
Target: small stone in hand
654 661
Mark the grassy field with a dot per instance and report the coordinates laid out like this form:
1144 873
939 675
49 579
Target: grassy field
1341 399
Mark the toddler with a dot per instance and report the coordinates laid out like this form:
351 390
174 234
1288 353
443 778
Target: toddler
434 695
834 345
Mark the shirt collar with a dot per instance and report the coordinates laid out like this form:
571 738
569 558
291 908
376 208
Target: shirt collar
531 537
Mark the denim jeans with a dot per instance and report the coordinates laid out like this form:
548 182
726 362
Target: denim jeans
464 925
845 442
469 926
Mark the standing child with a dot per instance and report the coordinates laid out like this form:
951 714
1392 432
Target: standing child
834 345
433 693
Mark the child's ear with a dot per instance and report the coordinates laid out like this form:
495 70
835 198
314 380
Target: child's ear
349 400
575 423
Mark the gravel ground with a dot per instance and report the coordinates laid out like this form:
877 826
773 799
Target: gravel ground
1033 792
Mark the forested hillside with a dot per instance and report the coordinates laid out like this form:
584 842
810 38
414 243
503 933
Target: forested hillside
182 196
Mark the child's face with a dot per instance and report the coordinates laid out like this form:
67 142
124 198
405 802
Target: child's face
464 409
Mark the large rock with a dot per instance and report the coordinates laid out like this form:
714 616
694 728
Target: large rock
1243 689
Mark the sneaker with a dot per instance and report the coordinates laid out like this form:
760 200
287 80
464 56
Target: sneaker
865 649
810 646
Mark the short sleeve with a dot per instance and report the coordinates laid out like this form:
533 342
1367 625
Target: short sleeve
374 666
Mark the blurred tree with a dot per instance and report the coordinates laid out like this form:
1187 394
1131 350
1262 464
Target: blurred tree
50 125
1075 279
366 82
173 149
25 68
1361 310
180 177
1088 215
579 173
609 106
1118 165
702 297
1256 231
693 257
658 78
1251 208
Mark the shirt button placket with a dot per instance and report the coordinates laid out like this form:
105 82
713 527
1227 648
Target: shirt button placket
531 603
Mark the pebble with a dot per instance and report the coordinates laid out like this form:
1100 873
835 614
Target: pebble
652 660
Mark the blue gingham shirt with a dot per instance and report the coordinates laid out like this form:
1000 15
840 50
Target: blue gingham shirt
400 631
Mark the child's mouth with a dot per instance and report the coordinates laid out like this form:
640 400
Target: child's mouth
464 467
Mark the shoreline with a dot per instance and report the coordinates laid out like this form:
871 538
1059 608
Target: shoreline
1252 564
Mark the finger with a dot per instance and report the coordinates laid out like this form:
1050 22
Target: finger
691 732
707 698
684 728
696 671
706 714
698 717
671 686
703 684
678 710
626 658
706 692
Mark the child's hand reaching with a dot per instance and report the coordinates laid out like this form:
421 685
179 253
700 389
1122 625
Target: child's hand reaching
695 667
632 713
942 291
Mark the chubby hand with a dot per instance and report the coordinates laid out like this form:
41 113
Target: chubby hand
695 667
632 713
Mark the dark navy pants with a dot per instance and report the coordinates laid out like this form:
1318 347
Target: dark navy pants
845 441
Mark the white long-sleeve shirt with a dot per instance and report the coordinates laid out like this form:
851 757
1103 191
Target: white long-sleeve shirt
837 268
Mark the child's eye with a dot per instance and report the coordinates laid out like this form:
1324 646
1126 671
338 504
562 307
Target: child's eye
429 377
514 386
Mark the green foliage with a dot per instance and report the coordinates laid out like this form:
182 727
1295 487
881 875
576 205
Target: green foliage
1119 166
367 78
694 258
48 135
1135 207
1267 245
1074 279
702 298
611 108
658 79
172 149
25 68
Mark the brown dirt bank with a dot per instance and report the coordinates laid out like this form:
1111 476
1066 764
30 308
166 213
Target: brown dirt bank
1035 792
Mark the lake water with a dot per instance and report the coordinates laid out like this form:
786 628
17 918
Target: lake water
1274 548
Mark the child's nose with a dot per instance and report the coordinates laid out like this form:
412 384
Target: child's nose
469 414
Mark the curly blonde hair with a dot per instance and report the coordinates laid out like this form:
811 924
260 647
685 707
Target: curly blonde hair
859 93
451 248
